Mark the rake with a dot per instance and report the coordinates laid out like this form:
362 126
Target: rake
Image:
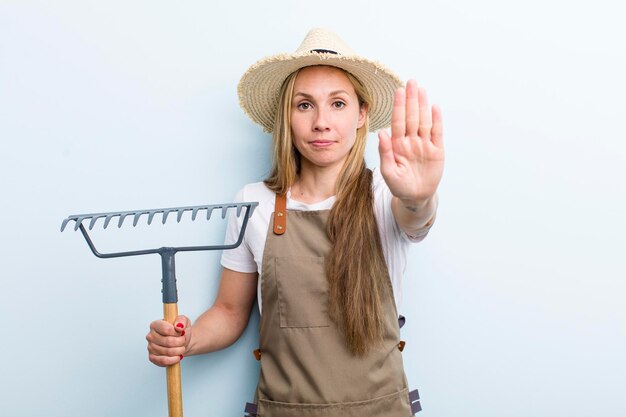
170 292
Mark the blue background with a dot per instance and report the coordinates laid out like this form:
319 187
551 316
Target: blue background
515 302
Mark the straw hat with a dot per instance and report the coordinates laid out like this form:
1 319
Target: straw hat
259 87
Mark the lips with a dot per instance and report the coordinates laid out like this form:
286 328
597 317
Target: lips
321 143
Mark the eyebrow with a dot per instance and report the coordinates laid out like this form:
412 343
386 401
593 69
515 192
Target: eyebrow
332 93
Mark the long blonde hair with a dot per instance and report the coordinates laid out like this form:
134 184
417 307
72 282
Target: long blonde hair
355 267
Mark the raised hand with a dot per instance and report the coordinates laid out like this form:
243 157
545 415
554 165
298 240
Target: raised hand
412 158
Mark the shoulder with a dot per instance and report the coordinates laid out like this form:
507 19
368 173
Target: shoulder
256 191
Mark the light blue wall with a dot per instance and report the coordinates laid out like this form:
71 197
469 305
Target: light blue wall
515 303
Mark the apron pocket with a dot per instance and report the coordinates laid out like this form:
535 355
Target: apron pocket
302 291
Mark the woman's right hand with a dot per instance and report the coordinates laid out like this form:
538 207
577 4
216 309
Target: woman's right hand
168 343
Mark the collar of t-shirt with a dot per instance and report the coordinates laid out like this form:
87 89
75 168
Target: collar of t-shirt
298 205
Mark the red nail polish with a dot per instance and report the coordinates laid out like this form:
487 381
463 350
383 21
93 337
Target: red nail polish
180 325
183 333
181 357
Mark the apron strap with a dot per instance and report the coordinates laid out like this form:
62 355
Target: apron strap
280 214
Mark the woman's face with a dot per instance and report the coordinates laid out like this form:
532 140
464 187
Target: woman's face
325 115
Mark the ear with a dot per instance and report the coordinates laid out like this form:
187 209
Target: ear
362 116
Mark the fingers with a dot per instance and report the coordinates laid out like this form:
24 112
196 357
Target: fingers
164 360
398 121
163 328
181 324
169 352
411 115
385 150
167 343
437 130
425 120
412 108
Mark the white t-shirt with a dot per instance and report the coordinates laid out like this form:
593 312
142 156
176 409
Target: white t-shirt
248 256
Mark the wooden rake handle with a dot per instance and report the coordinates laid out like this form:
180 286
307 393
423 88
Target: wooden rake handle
174 389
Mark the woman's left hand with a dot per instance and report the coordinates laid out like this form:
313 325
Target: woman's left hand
411 159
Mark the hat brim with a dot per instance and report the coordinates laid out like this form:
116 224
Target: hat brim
259 88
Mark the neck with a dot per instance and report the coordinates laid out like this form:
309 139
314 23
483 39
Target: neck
315 184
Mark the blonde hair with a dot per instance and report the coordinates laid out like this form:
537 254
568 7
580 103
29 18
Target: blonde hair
359 282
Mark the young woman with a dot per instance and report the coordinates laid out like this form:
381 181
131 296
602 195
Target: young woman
325 249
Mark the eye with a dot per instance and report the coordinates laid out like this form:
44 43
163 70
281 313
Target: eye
339 104
304 105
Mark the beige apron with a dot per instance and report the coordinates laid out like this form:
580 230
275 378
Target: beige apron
306 368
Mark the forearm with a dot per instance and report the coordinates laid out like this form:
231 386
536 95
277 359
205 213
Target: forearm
412 216
217 328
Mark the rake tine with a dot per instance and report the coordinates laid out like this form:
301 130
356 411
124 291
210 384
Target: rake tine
76 224
93 221
107 220
122 217
224 210
209 211
180 215
151 215
137 216
165 214
79 220
239 207
65 223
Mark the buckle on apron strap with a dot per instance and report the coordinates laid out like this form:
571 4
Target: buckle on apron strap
257 354
250 410
414 399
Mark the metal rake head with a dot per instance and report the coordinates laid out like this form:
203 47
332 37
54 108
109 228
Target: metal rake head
170 294
165 212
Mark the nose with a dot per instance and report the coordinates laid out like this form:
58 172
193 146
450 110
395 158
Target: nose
320 124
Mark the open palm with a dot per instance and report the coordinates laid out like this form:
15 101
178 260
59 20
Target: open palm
412 158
